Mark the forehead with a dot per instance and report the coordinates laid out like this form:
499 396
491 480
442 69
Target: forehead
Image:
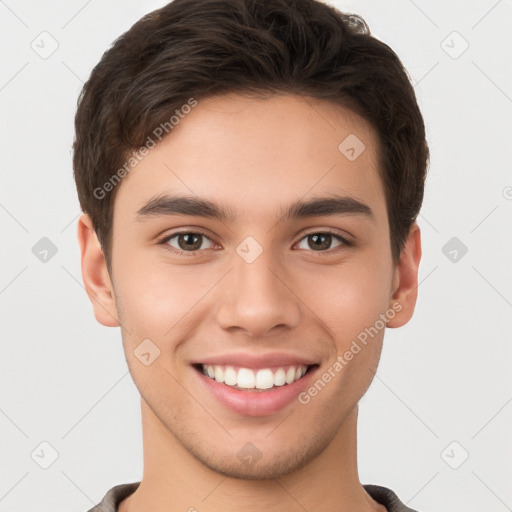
258 155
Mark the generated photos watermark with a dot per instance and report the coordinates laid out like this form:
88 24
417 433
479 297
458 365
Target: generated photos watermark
342 360
137 155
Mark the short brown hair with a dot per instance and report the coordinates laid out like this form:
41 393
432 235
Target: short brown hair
203 48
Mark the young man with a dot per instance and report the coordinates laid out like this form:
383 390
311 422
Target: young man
250 173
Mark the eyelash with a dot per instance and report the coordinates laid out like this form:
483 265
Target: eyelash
173 250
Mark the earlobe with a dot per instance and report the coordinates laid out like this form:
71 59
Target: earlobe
405 284
95 274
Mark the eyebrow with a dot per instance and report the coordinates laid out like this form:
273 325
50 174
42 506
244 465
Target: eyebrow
166 205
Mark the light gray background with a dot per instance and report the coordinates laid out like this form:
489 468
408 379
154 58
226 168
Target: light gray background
444 377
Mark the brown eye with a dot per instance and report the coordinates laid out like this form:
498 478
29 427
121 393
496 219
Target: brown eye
187 241
322 241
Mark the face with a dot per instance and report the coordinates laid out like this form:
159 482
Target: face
262 294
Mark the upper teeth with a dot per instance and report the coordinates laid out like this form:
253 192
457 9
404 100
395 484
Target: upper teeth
247 378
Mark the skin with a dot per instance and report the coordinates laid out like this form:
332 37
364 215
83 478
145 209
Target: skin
257 156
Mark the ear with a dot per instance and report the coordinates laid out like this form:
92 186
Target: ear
95 274
405 280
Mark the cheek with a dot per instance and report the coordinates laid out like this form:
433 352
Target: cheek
151 307
350 303
152 299
350 298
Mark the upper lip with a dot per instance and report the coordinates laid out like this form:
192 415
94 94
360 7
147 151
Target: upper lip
245 360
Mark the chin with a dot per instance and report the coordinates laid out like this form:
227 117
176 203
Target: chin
264 464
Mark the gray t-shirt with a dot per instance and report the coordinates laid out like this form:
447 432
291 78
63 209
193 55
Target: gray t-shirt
380 494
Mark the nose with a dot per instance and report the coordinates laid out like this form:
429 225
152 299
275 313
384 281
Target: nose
258 297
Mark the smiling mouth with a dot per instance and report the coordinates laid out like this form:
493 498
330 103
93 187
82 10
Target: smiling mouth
255 380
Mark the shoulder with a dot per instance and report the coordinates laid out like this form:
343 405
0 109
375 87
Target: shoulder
387 497
382 495
114 496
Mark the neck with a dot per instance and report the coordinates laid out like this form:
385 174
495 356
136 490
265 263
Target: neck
173 479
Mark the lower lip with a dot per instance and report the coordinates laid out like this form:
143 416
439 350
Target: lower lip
256 403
